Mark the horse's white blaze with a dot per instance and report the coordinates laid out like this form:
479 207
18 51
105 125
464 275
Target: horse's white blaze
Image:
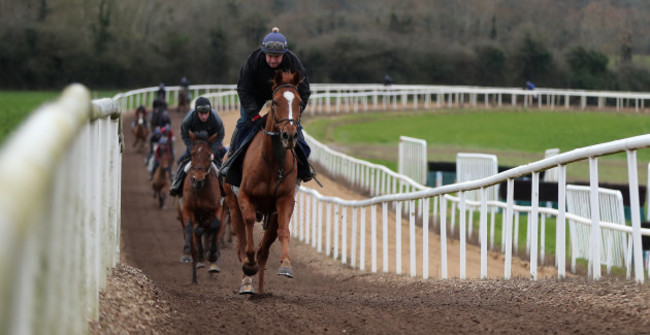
289 96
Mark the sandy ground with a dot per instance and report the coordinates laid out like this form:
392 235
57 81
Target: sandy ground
150 291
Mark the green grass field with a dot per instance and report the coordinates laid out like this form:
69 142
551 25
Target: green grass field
15 106
515 136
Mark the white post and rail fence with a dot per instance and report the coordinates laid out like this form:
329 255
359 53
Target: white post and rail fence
60 173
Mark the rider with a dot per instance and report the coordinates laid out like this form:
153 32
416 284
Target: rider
201 119
163 147
162 93
141 111
184 82
254 89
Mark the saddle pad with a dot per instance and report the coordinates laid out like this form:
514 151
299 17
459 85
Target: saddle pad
247 134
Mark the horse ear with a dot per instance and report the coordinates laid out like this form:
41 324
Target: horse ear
211 138
277 79
296 78
192 135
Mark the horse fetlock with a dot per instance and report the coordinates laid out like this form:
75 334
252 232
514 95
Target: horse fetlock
250 269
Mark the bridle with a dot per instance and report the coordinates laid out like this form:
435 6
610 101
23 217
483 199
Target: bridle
205 169
282 123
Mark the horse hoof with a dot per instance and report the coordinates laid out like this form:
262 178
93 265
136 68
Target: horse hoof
200 265
250 270
186 259
247 286
247 289
285 271
214 268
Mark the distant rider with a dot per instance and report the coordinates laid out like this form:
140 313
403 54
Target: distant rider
201 120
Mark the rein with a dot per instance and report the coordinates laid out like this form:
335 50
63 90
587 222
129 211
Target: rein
281 175
276 121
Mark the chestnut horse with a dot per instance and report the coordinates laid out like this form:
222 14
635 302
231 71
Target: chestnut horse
200 210
140 133
160 180
268 185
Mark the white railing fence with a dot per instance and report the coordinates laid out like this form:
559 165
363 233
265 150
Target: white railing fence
59 214
392 190
412 158
60 201
346 98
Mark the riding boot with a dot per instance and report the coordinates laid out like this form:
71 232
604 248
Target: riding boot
305 171
177 186
226 165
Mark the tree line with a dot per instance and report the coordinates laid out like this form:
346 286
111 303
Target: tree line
579 44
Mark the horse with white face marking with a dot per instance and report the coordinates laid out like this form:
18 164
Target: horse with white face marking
268 185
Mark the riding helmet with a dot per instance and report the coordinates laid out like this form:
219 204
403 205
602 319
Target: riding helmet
275 42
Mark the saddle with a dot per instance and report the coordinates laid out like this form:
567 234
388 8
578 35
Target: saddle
234 162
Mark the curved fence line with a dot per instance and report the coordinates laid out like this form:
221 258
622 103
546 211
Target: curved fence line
337 98
60 202
384 184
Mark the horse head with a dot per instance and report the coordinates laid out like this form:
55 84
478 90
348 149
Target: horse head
201 163
285 108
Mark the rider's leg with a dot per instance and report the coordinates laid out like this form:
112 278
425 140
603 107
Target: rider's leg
243 118
305 171
177 185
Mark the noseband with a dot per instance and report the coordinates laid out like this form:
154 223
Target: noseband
280 124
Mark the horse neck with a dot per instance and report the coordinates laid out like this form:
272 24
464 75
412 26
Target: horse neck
274 152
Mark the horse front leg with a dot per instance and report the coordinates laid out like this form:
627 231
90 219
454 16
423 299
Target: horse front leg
270 234
186 224
215 230
194 246
285 210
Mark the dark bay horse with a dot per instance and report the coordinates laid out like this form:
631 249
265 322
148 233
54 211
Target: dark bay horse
160 180
183 100
200 210
140 133
268 185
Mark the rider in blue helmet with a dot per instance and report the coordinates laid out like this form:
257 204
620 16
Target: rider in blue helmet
254 90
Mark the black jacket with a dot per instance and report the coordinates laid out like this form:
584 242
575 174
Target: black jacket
256 80
212 125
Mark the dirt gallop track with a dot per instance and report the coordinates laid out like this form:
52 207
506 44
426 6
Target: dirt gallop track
150 292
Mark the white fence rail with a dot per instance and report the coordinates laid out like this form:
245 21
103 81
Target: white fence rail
59 214
385 186
60 198
412 158
339 98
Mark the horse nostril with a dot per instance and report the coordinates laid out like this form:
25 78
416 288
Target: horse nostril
295 136
285 136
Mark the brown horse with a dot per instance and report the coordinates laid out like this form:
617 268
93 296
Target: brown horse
160 180
140 132
183 100
268 185
200 210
